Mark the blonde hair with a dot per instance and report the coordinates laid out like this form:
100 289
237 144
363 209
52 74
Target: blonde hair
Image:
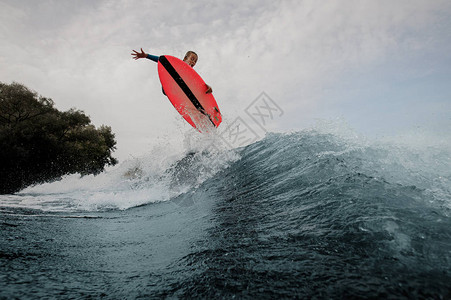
189 53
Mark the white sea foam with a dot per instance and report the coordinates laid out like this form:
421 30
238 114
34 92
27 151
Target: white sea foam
137 181
175 167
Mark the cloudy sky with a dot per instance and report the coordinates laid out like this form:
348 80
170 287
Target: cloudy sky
382 67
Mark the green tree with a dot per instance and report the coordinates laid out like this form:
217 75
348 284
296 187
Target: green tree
39 143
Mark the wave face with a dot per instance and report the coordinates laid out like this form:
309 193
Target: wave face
306 214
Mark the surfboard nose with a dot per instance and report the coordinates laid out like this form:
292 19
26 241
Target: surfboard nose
186 91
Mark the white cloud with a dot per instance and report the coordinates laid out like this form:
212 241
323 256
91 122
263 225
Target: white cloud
78 53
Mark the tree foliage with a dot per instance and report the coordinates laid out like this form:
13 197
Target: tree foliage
40 143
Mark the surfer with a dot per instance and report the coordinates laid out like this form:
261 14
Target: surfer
190 58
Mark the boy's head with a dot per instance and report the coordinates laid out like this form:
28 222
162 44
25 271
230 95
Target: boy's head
190 58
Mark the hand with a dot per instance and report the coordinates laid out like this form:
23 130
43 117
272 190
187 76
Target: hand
138 55
209 90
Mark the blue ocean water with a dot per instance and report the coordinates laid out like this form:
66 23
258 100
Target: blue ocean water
309 214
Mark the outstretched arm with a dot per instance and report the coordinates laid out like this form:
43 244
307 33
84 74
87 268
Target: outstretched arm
138 55
142 54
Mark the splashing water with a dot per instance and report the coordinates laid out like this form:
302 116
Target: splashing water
320 213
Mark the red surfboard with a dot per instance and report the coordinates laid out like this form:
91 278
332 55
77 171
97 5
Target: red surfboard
186 91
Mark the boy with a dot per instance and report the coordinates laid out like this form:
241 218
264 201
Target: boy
190 58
